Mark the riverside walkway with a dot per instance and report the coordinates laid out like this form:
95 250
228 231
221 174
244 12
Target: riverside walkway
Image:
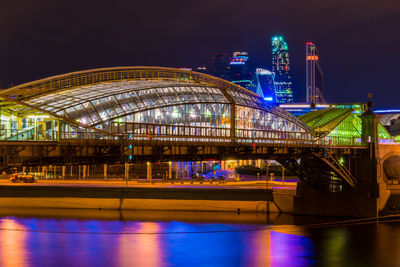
115 195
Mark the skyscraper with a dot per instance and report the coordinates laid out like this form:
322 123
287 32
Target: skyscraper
314 76
265 85
240 73
221 66
281 68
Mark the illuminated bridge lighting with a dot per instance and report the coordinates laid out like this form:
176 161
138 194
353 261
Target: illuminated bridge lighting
143 104
153 104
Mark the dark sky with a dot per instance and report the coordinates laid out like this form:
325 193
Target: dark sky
358 40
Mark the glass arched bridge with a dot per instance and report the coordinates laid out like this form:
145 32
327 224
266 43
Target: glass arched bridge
160 104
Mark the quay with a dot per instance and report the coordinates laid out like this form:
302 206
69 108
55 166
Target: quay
243 197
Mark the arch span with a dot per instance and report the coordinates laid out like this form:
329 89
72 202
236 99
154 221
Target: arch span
132 100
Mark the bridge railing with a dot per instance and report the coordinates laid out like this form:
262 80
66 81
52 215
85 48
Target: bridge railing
182 133
28 134
340 141
87 135
193 133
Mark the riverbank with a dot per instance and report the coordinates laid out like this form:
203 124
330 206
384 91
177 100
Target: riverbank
146 197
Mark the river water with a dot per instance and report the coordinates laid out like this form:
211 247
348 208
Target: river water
156 238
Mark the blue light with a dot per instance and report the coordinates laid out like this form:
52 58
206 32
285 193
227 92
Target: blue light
387 111
130 156
268 98
130 146
238 63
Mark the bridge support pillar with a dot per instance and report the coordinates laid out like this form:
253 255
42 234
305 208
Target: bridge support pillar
363 195
366 199
309 201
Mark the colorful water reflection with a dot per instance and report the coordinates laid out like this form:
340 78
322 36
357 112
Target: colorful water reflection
89 242
13 245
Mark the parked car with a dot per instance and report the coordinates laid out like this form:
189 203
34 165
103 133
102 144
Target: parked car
22 178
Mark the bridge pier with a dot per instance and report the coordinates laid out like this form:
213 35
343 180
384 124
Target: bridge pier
364 195
309 202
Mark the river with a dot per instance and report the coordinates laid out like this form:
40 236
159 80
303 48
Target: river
157 238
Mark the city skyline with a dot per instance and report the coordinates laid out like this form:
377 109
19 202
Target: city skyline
32 48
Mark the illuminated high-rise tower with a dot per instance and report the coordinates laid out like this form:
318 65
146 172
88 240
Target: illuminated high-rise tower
240 73
314 75
281 68
265 85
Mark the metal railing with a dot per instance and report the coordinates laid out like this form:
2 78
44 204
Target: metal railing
186 133
28 134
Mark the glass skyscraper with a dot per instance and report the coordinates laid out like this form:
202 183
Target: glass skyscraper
281 68
240 73
221 66
265 85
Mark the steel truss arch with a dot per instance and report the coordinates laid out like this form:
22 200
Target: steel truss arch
102 96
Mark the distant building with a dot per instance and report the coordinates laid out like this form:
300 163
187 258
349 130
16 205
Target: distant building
390 119
240 71
265 84
314 75
281 68
222 66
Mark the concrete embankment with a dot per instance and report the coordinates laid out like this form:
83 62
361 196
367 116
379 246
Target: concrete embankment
131 198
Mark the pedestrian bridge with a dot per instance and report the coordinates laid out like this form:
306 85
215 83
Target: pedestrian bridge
147 114
156 104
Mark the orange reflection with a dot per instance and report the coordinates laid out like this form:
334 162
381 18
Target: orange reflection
13 250
260 251
143 248
276 246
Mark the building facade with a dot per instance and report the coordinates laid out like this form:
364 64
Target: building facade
222 66
240 71
281 68
265 84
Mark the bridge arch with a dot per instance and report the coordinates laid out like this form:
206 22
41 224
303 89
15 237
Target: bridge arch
389 164
157 102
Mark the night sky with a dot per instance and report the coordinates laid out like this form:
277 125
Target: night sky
358 40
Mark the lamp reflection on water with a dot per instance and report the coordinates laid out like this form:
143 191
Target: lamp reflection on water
13 244
144 248
279 246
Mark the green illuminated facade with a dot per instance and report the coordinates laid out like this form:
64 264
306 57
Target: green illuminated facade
281 68
342 125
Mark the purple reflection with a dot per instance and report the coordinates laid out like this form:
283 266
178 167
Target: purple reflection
72 242
291 250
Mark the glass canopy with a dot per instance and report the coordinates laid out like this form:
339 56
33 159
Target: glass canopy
145 103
